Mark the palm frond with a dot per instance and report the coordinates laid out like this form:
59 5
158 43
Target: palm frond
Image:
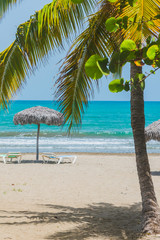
74 87
145 25
13 68
5 5
33 48
64 15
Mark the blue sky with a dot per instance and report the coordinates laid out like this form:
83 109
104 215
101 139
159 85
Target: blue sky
40 85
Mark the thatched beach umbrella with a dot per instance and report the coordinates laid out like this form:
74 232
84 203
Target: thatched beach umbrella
152 132
38 115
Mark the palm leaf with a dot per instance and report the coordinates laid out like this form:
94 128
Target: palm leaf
64 14
13 68
74 87
35 39
5 5
145 25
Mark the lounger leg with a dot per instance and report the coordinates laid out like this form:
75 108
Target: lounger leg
4 160
74 160
60 160
44 160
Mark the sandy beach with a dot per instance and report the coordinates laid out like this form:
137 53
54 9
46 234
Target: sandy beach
98 198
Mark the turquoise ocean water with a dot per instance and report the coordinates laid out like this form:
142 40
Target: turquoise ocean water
105 128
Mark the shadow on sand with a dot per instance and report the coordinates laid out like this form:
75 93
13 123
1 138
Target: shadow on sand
37 162
96 221
155 173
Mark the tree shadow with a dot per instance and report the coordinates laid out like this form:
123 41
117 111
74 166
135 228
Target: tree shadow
155 173
94 221
36 162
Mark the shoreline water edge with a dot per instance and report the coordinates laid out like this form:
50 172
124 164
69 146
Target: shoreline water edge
105 128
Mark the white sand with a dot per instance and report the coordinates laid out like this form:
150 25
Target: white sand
96 198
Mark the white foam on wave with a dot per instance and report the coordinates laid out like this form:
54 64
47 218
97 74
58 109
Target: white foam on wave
65 144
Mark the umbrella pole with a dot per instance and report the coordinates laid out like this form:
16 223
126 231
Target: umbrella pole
37 152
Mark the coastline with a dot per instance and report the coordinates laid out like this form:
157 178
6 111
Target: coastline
96 198
105 128
33 154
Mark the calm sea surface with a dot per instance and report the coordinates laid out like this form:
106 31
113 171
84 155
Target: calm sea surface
105 128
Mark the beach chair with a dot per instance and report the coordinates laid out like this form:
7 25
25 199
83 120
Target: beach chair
9 156
59 159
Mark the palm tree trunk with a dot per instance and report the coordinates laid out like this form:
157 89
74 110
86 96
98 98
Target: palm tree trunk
150 217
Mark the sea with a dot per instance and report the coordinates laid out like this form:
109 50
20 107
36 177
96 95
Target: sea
106 128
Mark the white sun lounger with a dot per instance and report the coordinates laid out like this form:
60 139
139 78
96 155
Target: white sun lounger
9 156
59 159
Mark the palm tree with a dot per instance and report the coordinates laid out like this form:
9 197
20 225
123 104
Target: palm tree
150 206
46 31
74 87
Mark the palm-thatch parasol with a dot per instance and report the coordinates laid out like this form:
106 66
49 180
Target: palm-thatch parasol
38 115
152 132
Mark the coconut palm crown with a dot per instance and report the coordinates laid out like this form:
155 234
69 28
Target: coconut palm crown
74 87
44 32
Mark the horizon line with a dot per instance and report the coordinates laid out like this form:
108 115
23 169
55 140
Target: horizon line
88 101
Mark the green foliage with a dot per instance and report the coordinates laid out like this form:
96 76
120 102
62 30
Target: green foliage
14 66
145 58
114 64
135 19
152 52
119 21
132 3
5 5
125 22
47 29
123 3
151 23
112 1
126 86
126 56
35 39
111 24
148 40
148 61
116 85
128 45
157 16
92 69
141 76
158 63
96 67
74 87
142 85
77 1
102 65
129 52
